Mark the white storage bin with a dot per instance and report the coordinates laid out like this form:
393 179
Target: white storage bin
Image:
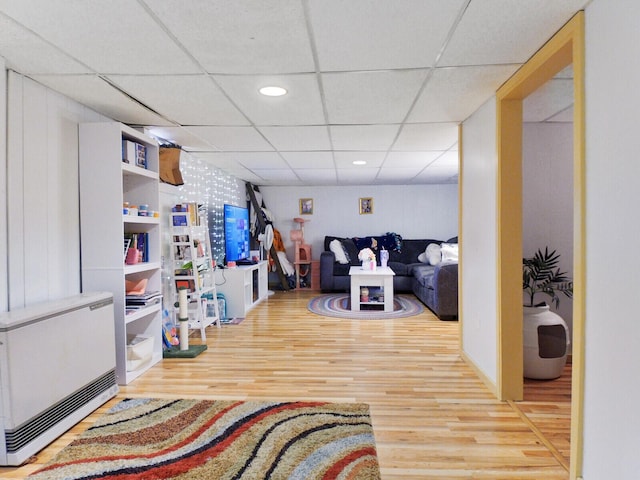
139 351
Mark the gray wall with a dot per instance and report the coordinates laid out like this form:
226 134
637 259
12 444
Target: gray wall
415 211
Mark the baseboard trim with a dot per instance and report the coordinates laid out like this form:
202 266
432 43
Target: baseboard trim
490 384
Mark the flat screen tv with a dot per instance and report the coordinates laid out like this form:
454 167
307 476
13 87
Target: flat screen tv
236 233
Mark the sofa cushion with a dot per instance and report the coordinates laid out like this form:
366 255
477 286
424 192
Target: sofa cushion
341 269
424 274
351 250
399 268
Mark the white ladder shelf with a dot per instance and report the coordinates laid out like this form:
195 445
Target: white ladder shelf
193 268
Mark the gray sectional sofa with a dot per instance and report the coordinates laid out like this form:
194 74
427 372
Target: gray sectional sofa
435 285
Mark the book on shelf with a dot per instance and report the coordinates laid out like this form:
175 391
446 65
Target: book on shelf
142 300
189 284
194 212
139 242
134 153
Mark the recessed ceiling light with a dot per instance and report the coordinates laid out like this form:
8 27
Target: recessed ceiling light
273 91
359 162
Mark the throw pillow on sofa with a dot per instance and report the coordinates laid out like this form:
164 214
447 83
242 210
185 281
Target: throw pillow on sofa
431 255
336 247
449 252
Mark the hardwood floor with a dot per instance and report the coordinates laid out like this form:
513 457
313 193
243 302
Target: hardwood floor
432 417
547 404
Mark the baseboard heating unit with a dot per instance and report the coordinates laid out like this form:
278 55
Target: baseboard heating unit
57 365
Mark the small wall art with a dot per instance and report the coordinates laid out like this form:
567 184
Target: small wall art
306 206
366 205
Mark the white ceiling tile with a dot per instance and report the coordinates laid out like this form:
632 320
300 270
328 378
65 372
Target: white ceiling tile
397 175
410 159
317 176
437 175
368 35
276 174
563 116
552 97
232 139
243 174
371 97
453 94
220 160
419 137
493 32
240 36
448 160
97 94
27 53
117 36
180 136
309 160
373 59
346 159
257 160
357 176
186 99
363 137
304 138
300 106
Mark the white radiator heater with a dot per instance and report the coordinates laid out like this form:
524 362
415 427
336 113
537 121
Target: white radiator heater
57 365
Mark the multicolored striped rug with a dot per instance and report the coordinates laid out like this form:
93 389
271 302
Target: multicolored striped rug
210 439
339 305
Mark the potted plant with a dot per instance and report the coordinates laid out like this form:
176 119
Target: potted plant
541 274
545 333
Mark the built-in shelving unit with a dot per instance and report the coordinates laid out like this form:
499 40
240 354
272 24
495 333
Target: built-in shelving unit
107 181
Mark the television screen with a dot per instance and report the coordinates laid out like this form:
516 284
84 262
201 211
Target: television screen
236 233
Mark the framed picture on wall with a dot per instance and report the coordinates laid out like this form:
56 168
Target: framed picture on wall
366 205
306 206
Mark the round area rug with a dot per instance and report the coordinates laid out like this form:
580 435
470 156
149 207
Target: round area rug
339 305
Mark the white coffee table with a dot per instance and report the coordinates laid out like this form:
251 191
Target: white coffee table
380 277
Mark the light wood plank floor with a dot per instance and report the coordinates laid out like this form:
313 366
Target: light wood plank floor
433 418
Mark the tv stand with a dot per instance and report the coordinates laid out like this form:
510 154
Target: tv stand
243 287
246 261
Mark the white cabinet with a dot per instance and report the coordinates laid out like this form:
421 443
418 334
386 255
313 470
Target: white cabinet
243 287
106 182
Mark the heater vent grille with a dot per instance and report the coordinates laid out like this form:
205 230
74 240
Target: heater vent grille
28 431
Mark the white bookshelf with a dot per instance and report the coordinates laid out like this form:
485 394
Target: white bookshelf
105 183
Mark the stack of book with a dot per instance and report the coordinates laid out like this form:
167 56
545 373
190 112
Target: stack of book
136 302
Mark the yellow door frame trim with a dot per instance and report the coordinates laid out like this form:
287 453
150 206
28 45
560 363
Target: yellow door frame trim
565 48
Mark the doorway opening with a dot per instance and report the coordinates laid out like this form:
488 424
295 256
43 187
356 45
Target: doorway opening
564 49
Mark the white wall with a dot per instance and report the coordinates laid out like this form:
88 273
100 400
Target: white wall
4 293
478 267
42 192
547 198
416 211
612 385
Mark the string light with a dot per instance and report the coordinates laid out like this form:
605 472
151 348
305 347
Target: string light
211 187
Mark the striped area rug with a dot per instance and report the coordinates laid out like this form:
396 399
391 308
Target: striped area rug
339 305
210 439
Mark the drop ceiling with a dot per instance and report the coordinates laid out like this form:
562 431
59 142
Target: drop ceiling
387 82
